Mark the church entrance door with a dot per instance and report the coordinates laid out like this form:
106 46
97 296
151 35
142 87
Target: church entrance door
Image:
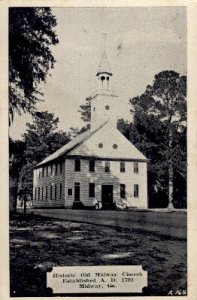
107 196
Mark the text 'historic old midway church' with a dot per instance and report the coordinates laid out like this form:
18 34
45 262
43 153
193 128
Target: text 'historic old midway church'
99 168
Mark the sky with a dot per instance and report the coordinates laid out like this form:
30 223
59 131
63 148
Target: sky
140 42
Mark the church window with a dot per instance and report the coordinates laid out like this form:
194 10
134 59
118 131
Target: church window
107 166
51 169
51 192
60 190
107 78
46 192
42 192
69 192
135 167
38 193
91 165
122 191
55 191
102 78
91 189
100 145
94 109
77 165
107 107
136 190
56 168
115 146
122 167
47 171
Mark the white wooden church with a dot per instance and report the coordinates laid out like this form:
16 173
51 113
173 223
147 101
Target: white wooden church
99 168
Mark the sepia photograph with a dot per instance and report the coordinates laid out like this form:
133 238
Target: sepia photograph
98 151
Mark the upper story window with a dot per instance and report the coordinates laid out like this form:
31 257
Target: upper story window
122 167
122 191
107 166
135 167
136 190
77 165
51 169
92 165
115 146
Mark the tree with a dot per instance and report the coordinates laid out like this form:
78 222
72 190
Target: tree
40 139
31 33
16 161
74 131
161 113
169 92
85 110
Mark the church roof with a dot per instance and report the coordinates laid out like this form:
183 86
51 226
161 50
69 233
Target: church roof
104 66
69 146
87 145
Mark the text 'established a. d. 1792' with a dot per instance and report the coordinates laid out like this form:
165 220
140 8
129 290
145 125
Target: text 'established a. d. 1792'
97 279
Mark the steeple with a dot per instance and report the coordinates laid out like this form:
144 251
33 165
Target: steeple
104 67
104 71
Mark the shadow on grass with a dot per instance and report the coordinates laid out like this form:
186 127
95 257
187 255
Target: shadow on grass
39 243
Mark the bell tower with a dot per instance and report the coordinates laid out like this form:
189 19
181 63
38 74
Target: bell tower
104 72
104 101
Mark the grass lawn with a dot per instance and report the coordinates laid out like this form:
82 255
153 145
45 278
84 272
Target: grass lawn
38 243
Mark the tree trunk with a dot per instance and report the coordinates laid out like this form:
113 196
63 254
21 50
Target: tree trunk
13 192
170 172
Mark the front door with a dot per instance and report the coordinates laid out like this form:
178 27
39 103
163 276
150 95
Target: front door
107 196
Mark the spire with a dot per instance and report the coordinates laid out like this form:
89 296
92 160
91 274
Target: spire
104 71
104 67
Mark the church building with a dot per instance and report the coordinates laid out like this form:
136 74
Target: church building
99 168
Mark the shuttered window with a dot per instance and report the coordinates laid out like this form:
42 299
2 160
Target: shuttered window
51 192
91 190
135 167
38 193
122 167
60 190
136 191
77 165
107 166
122 191
55 191
92 165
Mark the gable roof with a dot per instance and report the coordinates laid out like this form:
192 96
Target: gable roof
108 143
69 146
86 144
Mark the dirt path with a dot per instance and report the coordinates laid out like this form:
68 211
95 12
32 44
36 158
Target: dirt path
169 224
